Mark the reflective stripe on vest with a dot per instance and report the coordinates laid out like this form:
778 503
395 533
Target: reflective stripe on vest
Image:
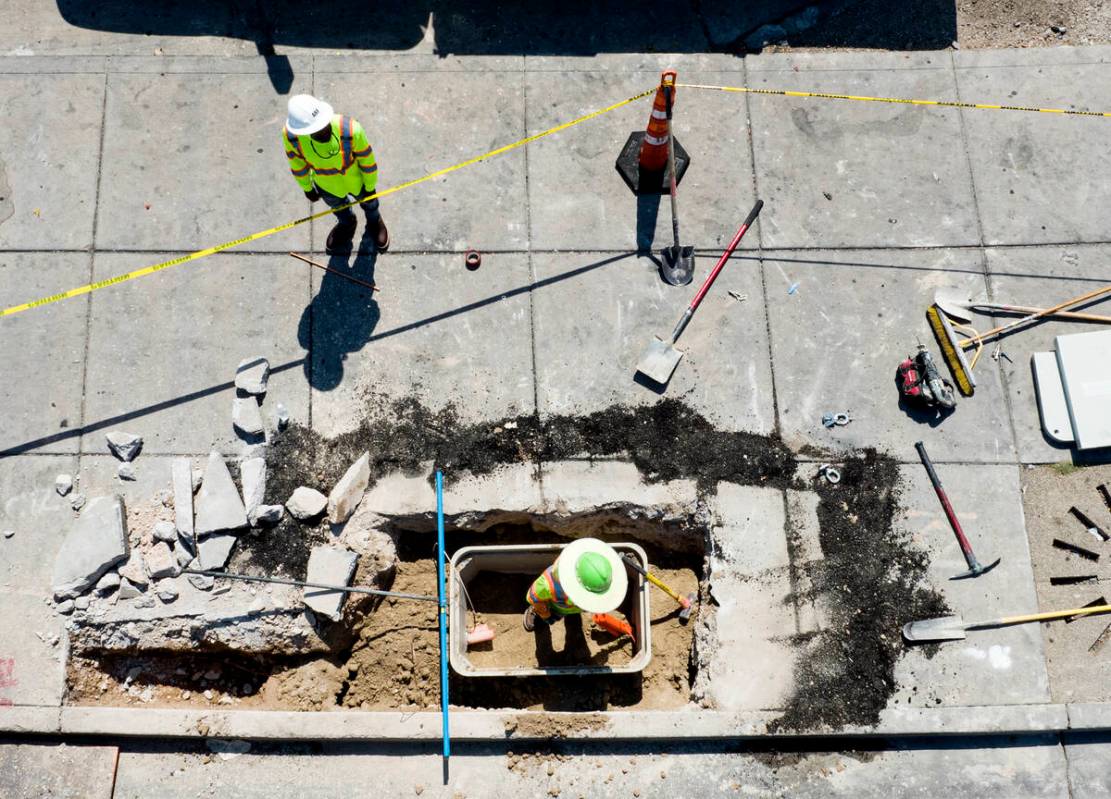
560 599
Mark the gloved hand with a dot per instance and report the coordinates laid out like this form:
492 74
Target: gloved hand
312 194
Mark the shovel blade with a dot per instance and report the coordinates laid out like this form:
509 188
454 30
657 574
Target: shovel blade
946 628
659 360
677 265
954 305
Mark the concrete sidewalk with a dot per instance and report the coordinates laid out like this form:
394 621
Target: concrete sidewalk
126 160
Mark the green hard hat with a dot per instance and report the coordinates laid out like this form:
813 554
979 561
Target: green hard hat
594 572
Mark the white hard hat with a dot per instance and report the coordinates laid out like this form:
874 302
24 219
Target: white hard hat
307 115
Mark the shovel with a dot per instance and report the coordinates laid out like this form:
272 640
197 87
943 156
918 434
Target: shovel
953 628
676 262
661 357
962 310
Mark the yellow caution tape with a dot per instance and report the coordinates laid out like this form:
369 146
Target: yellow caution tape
899 100
195 256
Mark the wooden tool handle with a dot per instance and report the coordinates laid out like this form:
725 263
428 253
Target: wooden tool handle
1047 616
1024 320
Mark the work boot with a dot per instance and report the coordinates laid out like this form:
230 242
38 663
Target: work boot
382 236
529 621
340 237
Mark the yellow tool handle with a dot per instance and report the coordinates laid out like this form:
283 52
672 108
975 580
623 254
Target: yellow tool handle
656 582
1003 328
1048 615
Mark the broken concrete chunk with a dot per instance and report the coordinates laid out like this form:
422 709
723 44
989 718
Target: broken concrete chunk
124 446
266 515
252 474
246 416
218 504
10 533
213 552
167 591
349 490
164 531
135 570
125 471
181 474
160 561
252 375
108 583
182 556
128 589
63 484
197 476
330 566
306 503
65 607
96 543
78 502
82 603
281 415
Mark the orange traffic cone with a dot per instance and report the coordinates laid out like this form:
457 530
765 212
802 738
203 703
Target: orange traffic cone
643 160
653 148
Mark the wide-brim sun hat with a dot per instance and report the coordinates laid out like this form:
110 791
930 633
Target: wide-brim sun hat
306 114
581 596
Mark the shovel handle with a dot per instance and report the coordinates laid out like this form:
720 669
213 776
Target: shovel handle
740 234
998 331
1047 616
654 580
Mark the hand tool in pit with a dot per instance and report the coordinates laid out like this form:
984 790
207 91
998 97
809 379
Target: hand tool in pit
953 628
676 262
661 357
974 567
685 602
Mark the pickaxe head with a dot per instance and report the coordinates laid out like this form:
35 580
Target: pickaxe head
976 570
687 604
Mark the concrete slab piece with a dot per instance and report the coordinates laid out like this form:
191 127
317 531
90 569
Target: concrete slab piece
896 174
219 506
96 542
578 200
329 566
999 666
863 313
43 351
57 770
437 332
428 129
32 652
1089 759
1041 277
39 518
163 349
1038 175
151 197
586 359
48 174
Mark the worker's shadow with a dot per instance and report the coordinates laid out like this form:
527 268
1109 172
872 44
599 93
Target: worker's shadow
575 651
341 317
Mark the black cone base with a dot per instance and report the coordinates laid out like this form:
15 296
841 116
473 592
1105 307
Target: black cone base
642 182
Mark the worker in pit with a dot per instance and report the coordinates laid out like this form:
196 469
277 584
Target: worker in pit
332 160
588 576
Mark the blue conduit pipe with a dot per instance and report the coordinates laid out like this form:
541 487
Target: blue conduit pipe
443 615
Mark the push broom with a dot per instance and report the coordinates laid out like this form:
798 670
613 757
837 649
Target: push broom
952 346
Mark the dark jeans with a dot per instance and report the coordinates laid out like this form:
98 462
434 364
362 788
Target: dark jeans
347 215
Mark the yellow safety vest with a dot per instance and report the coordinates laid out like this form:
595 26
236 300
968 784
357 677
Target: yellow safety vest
344 165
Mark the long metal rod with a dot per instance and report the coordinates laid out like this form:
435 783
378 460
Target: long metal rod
668 92
443 616
353 589
335 272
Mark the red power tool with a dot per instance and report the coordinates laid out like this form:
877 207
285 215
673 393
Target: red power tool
922 384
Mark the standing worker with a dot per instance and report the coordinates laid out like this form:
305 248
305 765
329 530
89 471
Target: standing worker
332 160
587 576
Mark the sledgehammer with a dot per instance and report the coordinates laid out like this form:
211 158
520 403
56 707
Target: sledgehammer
974 567
685 602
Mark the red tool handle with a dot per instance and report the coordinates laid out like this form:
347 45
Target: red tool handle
966 548
755 212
